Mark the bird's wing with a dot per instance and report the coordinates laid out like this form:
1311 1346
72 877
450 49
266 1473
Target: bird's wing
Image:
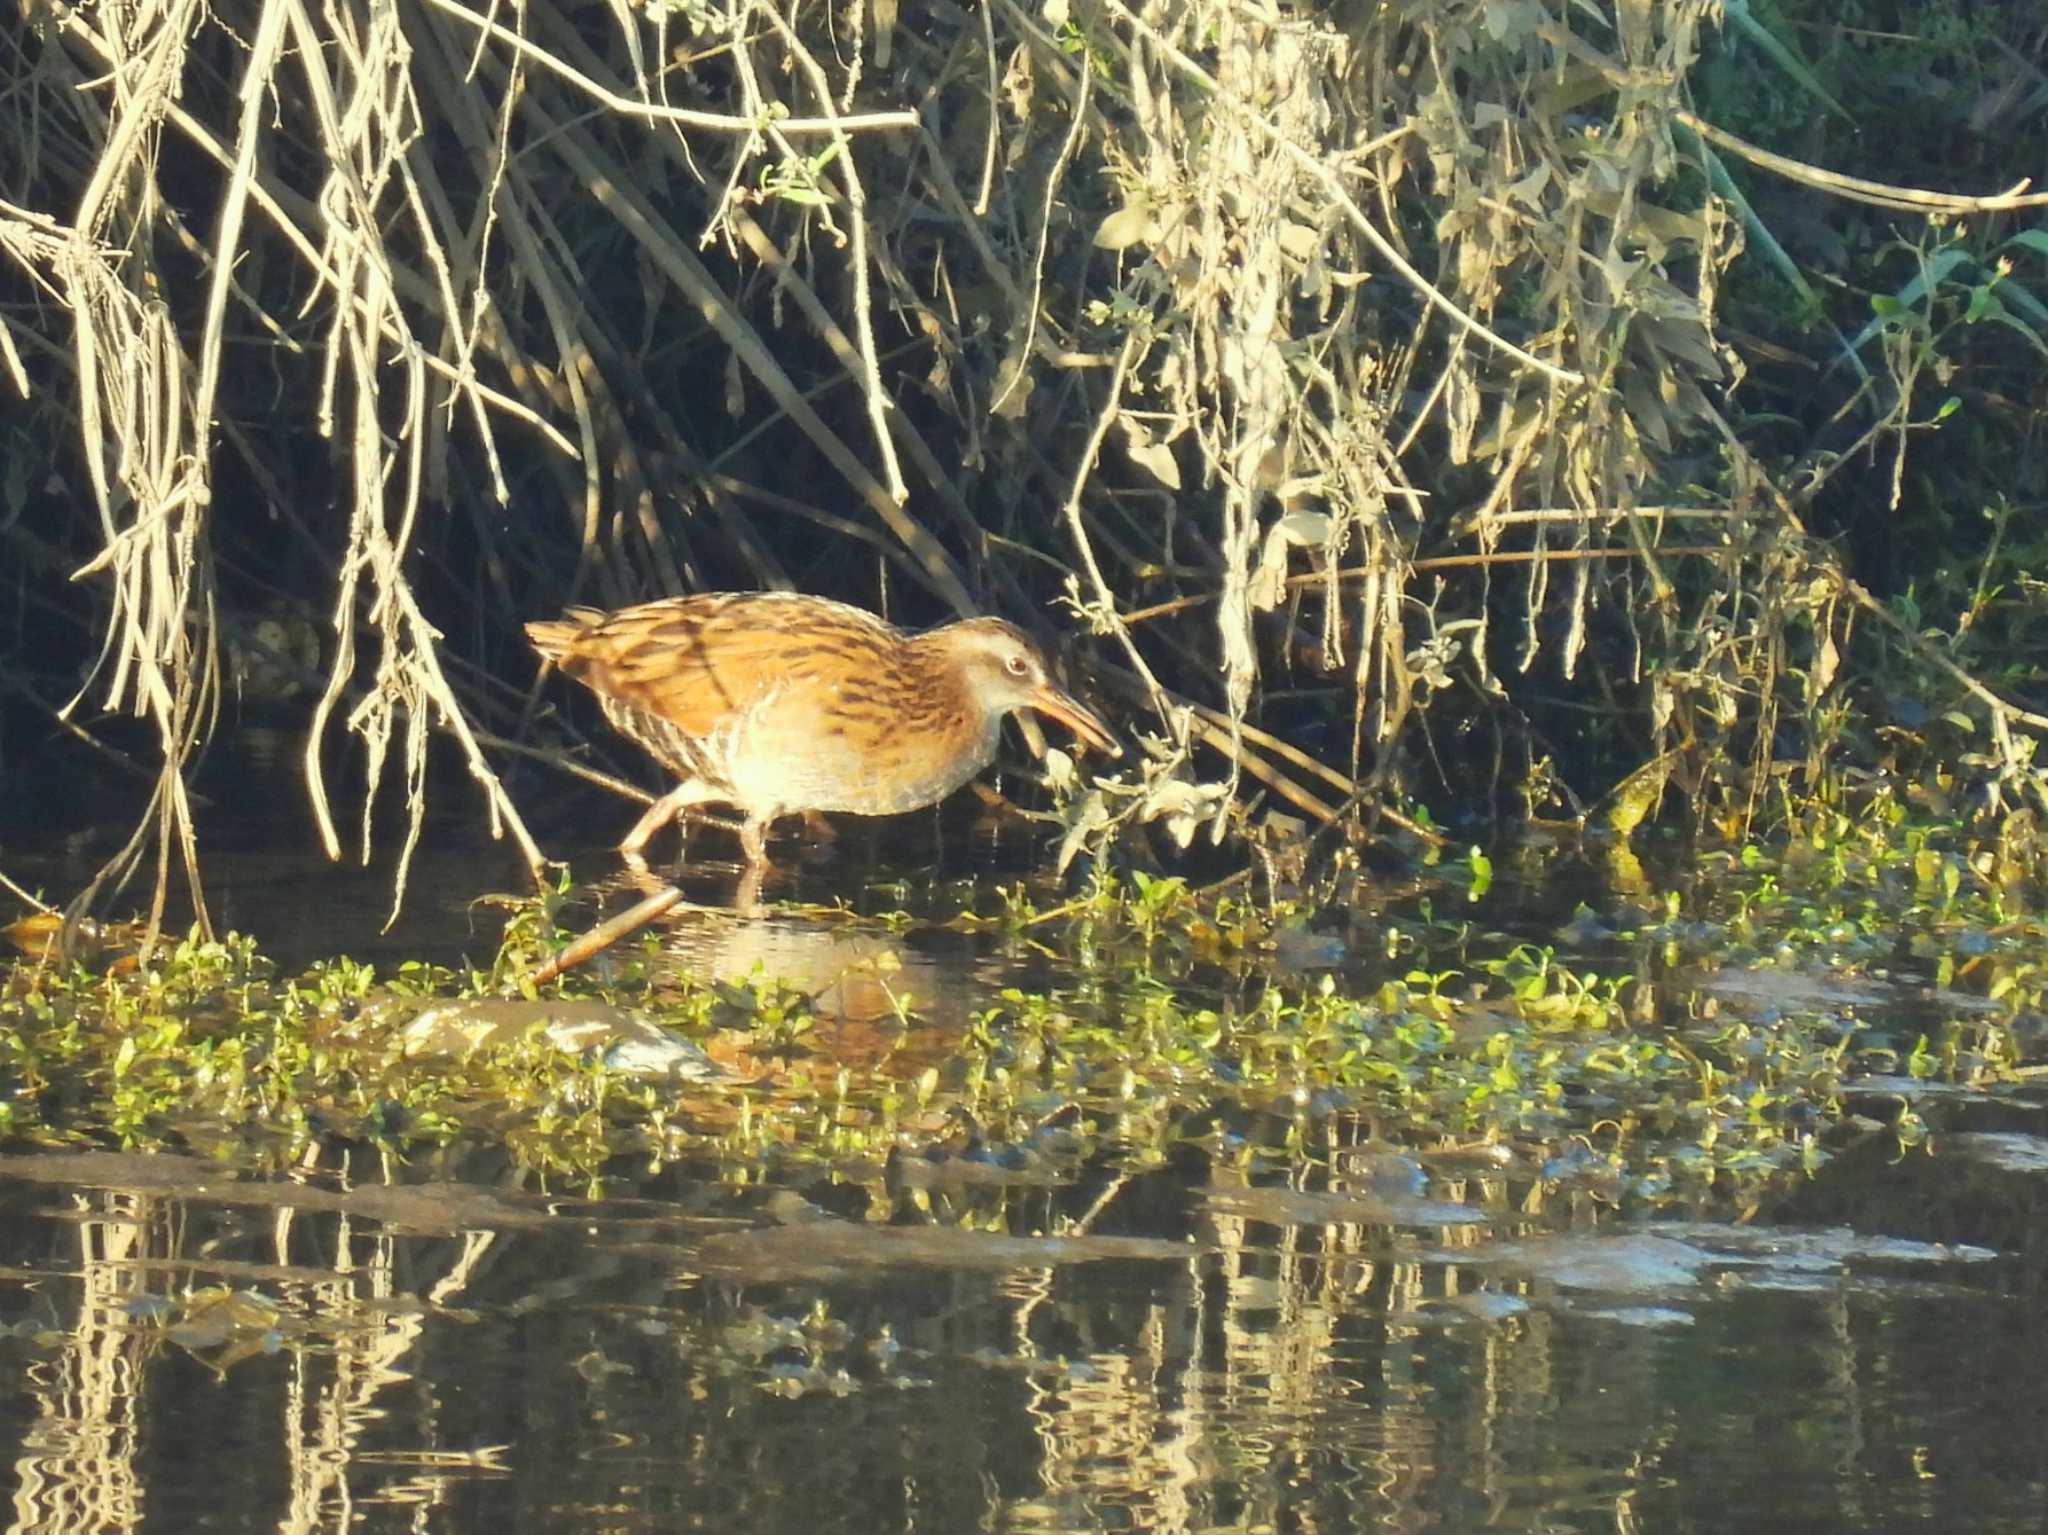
698 661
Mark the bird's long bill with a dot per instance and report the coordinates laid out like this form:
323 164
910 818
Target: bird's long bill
1054 704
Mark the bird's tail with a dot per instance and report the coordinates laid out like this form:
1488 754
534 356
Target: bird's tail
556 637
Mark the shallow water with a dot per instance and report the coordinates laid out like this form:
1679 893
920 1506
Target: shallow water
1281 1319
445 1348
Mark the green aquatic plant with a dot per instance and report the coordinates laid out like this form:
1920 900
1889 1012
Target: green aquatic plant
1144 1014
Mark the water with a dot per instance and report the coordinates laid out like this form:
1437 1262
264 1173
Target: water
443 1347
1280 1316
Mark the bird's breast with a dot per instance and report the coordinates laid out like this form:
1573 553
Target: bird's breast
793 753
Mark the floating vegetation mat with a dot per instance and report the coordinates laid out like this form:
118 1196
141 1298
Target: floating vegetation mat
1683 1045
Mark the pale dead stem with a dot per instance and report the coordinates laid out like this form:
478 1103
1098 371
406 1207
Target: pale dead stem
508 201
27 897
1102 609
937 480
154 559
669 252
834 125
36 241
1877 193
365 138
860 262
1218 213
2018 760
1154 611
614 187
615 192
988 139
149 479
1030 304
1215 334
1334 188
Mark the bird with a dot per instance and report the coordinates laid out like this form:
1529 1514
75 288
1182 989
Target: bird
779 703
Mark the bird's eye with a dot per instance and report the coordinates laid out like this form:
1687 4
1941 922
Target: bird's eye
1016 664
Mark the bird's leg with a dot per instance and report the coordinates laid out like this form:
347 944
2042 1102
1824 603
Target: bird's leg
692 791
754 839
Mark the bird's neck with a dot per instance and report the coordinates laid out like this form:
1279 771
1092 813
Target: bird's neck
945 703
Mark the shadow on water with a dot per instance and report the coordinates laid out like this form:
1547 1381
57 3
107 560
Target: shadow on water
1276 1317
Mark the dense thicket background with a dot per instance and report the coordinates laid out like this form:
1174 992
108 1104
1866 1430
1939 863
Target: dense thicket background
1452 407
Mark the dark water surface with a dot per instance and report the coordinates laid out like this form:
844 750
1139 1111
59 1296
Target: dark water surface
444 1348
1371 1336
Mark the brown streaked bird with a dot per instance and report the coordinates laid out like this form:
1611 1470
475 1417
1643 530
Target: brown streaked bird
777 702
